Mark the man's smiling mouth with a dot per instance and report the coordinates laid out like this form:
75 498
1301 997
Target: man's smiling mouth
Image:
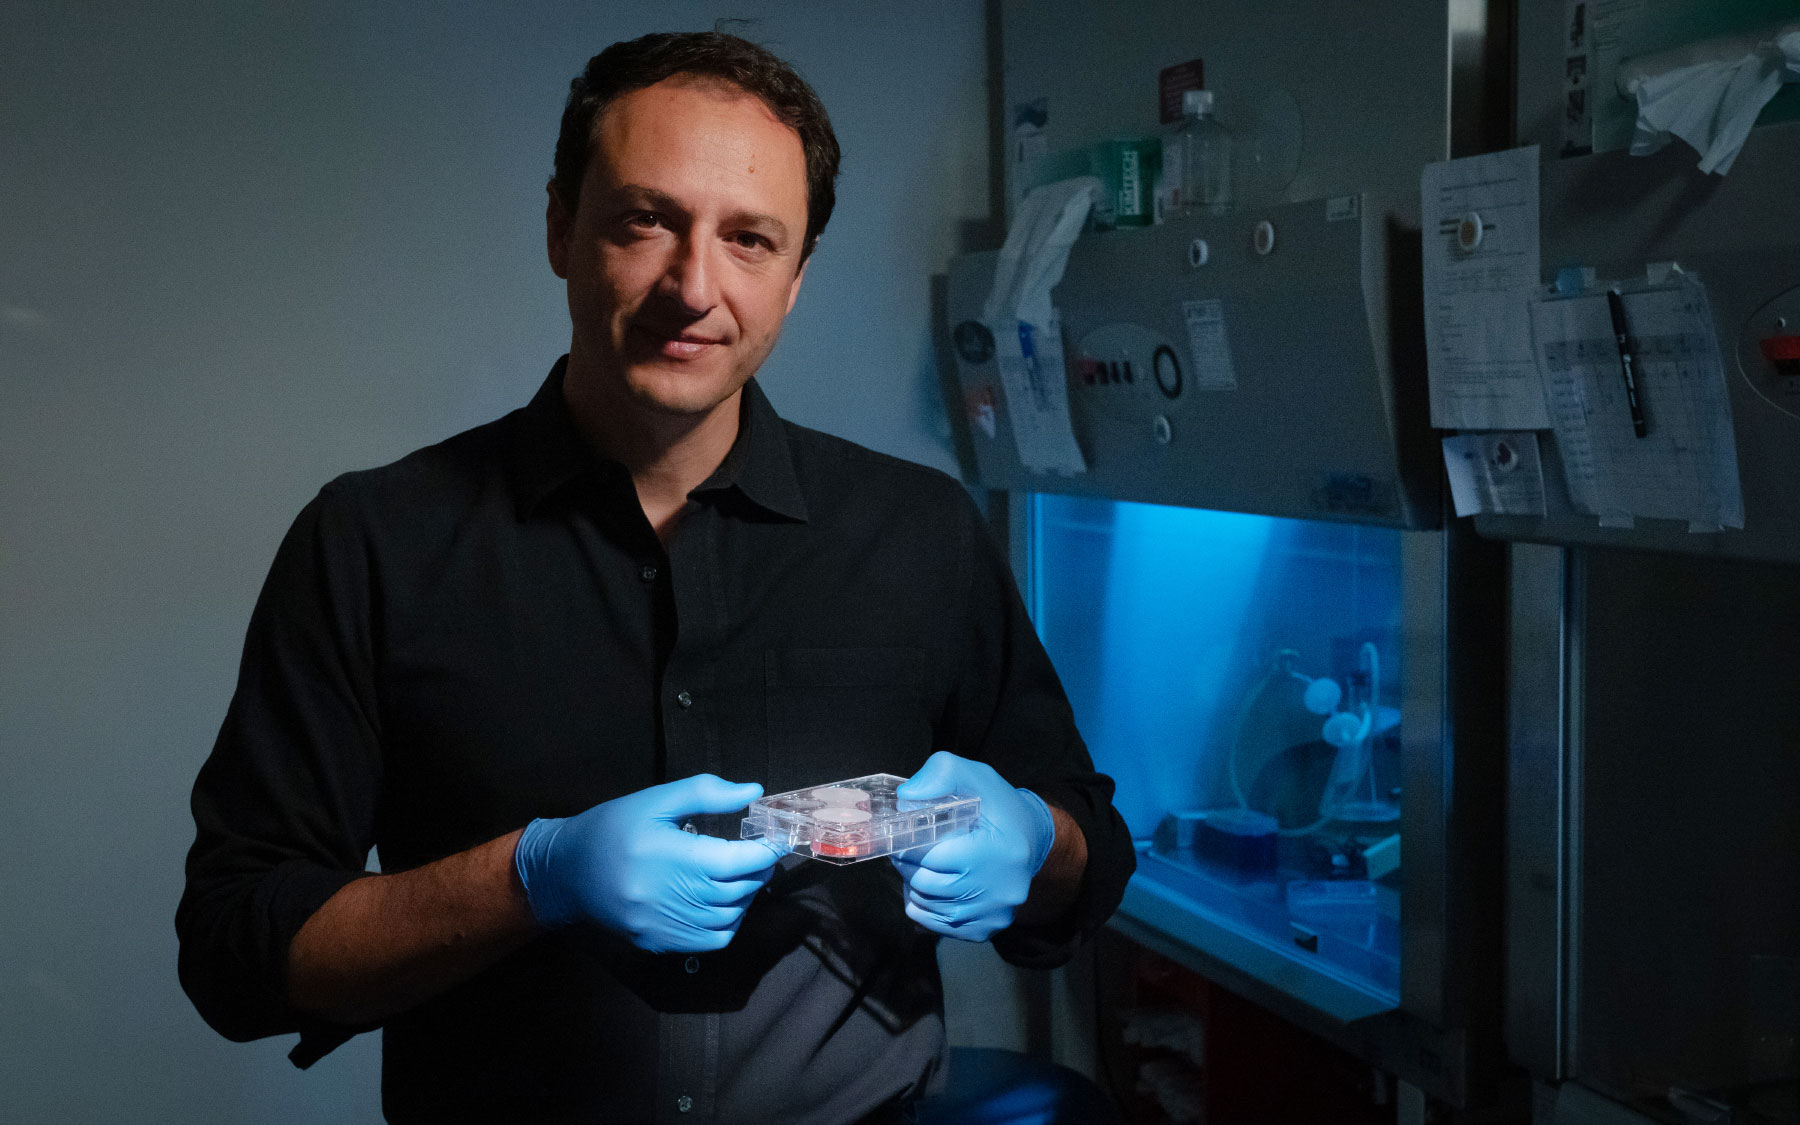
676 344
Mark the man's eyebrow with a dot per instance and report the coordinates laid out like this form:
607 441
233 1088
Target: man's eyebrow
759 221
648 196
662 201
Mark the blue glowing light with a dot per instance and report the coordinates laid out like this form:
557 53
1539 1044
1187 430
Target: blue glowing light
1162 620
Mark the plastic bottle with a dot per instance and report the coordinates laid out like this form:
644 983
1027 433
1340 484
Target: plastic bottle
1205 156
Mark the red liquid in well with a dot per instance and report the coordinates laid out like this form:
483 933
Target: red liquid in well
850 826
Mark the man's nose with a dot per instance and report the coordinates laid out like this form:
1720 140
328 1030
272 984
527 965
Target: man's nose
691 277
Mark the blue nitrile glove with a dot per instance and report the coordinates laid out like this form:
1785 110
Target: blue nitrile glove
629 867
968 886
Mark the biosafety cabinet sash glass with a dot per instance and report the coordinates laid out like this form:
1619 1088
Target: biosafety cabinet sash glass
1240 678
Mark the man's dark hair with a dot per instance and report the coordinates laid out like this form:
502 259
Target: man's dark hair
637 63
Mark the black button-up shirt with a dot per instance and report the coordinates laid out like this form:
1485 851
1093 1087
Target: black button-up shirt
489 631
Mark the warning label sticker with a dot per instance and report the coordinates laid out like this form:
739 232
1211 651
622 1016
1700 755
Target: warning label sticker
1207 344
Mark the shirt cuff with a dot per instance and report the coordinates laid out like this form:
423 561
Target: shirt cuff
296 891
1110 861
1045 839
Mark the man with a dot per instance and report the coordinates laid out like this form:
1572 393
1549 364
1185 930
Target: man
492 657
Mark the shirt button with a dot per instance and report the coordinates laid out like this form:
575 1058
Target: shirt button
684 1103
684 699
648 574
692 965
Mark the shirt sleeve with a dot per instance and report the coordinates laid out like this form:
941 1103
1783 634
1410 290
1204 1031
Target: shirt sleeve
1011 712
284 807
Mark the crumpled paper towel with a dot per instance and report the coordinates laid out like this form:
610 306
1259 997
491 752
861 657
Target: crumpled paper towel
1027 337
1037 248
1709 93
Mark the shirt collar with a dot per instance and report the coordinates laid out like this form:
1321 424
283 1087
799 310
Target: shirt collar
549 452
760 464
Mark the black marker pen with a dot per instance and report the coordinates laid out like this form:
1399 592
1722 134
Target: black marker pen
1627 362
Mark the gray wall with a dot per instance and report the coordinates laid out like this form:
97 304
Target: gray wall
244 248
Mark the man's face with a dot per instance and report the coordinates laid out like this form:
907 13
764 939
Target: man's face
683 254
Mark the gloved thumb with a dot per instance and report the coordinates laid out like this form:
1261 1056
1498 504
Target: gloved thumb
938 777
702 793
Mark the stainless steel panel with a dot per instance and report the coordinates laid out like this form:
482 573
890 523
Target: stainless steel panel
1319 424
1574 838
1577 1105
1688 903
1427 741
1538 102
1471 662
1535 795
1481 75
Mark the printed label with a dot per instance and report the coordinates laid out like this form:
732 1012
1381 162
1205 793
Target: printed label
1208 345
1578 117
1130 183
1355 494
1174 81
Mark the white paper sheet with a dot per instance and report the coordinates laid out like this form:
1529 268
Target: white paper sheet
1477 298
1685 467
1495 472
1027 335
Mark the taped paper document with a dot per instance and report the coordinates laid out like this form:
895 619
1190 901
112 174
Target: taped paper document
1027 337
1684 467
1496 473
1481 268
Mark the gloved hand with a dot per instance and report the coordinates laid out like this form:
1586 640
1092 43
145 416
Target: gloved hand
968 886
627 865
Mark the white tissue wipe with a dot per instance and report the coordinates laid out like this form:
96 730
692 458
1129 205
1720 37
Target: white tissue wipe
1710 104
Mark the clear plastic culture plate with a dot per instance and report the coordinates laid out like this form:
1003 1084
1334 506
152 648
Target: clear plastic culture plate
850 821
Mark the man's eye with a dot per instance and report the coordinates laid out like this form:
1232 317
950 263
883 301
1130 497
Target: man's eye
644 219
750 241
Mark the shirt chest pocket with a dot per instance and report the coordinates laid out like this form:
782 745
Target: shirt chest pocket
836 713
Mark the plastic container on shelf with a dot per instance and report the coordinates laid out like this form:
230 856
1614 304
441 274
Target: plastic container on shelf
1239 843
850 821
1347 907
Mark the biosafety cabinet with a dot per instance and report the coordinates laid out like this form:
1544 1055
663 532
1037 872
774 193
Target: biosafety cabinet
1468 798
1271 639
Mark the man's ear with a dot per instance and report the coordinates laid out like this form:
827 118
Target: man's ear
794 288
558 222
